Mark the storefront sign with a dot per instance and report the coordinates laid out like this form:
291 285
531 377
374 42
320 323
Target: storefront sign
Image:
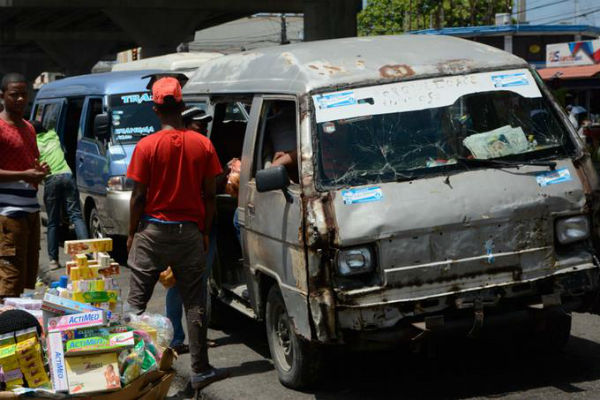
573 53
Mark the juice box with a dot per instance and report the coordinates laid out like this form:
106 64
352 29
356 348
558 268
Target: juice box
93 373
77 321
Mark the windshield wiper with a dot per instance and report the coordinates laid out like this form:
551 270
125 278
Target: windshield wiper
483 162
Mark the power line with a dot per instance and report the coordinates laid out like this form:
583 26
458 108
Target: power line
564 16
583 14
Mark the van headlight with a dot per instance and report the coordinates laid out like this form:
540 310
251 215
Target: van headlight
572 229
119 183
354 261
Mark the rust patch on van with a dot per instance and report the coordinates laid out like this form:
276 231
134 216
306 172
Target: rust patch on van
457 66
396 71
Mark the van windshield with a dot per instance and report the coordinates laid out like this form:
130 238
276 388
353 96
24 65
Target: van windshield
412 129
132 116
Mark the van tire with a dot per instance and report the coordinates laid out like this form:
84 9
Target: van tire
95 228
298 362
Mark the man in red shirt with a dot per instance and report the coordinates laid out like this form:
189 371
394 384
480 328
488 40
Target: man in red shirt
20 172
171 211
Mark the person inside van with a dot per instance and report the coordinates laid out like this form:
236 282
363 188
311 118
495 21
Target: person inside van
282 133
20 173
196 119
60 189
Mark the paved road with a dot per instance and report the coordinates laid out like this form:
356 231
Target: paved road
490 368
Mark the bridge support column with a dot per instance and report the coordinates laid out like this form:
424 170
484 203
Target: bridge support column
158 31
330 19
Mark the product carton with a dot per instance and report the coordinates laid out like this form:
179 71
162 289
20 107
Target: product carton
56 361
77 321
73 247
93 373
99 344
61 305
112 270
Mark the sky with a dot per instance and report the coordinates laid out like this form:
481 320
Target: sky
555 11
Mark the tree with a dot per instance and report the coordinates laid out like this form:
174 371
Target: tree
382 17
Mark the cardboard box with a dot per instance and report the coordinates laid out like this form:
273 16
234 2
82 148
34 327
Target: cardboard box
93 373
56 361
54 303
77 321
73 247
98 344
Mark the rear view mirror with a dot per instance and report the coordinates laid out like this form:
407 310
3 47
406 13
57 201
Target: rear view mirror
274 178
102 127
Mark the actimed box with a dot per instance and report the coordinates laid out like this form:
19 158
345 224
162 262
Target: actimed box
77 321
56 362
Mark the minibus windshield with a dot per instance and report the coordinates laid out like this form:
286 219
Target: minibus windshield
132 116
407 130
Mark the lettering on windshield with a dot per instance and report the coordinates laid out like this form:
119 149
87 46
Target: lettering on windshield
137 98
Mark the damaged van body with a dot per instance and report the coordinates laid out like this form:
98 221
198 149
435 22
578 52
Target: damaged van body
436 191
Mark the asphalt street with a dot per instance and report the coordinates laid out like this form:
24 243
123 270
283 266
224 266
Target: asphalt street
494 367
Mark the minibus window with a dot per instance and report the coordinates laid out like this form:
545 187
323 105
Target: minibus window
132 116
408 130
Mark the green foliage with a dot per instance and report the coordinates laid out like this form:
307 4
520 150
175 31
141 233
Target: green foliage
384 17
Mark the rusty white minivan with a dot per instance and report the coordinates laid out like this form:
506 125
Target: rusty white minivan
435 187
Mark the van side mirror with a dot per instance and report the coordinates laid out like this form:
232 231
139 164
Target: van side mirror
102 127
274 178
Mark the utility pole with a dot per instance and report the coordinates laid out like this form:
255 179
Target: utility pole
576 22
284 39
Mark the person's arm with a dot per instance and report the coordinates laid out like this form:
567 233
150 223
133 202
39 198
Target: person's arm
136 210
210 206
285 158
31 175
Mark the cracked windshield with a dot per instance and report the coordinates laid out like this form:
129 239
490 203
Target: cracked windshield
411 129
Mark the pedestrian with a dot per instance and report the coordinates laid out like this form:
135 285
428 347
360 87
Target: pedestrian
60 190
20 173
194 119
171 211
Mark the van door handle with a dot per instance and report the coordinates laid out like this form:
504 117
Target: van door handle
251 209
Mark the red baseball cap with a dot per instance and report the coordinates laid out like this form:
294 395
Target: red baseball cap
166 87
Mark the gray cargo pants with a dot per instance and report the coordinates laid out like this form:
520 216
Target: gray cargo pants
156 246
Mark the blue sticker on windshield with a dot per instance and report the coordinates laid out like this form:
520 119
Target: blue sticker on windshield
510 80
363 195
336 100
553 177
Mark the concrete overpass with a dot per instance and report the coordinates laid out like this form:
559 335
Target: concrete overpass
71 35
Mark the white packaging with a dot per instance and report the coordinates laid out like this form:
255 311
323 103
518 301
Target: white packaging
56 356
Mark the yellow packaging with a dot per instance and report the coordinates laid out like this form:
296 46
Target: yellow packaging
38 379
15 383
26 345
10 363
26 334
82 260
73 247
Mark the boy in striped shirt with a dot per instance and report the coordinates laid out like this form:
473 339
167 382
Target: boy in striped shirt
20 172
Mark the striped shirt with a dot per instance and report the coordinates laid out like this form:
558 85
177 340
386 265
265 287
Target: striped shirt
18 152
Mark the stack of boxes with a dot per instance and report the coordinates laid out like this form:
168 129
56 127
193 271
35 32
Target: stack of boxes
82 343
21 359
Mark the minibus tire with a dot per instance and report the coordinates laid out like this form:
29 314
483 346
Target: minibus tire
298 362
95 228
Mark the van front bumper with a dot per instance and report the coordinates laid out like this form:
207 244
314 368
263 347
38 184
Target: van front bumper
568 290
117 212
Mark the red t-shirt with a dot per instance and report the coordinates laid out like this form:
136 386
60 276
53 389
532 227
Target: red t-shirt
173 164
18 148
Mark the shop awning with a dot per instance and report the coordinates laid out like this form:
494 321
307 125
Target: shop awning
580 72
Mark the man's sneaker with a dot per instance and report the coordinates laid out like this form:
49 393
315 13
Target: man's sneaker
202 380
53 265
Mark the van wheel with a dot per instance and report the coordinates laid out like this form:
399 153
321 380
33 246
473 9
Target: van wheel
298 363
95 227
